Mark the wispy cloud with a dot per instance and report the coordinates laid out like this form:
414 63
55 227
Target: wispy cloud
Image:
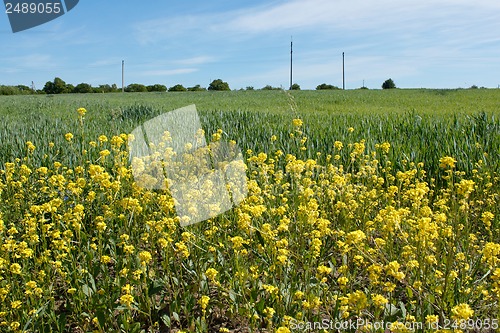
105 62
356 14
453 22
166 72
200 60
35 61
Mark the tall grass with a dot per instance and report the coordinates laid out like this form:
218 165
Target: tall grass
422 125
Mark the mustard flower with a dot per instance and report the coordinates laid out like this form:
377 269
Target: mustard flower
127 300
145 257
15 268
15 325
105 259
462 311
81 111
211 273
342 280
204 302
104 153
338 145
447 162
128 249
323 270
16 304
31 147
297 122
379 300
487 217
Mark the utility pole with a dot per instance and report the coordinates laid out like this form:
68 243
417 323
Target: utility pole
123 75
343 71
291 62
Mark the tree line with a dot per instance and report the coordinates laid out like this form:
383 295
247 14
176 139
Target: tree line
58 86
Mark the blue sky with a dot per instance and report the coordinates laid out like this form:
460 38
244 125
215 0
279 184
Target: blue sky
424 43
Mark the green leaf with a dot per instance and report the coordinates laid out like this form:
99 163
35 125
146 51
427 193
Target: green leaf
100 316
87 291
166 320
155 288
259 237
232 295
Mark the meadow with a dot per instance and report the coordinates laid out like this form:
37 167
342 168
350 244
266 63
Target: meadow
363 207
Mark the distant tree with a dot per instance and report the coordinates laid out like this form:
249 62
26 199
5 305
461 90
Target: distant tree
83 88
58 86
388 84
103 88
295 86
157 88
114 87
218 85
325 86
136 87
196 88
69 88
8 90
249 88
15 90
49 87
24 89
474 87
269 87
363 88
177 87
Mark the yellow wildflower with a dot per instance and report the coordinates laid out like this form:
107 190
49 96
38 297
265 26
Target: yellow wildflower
204 302
15 268
127 300
447 162
145 257
81 111
462 311
297 122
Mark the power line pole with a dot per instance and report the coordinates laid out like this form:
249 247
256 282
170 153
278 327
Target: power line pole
343 71
123 75
291 62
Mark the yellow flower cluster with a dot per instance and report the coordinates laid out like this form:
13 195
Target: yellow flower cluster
314 238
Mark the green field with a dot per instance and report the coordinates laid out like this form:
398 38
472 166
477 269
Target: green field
422 125
362 206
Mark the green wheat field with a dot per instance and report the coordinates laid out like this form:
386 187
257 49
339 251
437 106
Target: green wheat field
363 206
